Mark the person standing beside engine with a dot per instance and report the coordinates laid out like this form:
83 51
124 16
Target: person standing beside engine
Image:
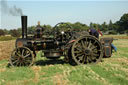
96 33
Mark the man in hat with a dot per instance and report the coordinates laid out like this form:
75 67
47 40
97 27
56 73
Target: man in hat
39 30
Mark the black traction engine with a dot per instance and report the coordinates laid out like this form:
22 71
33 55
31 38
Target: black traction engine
76 47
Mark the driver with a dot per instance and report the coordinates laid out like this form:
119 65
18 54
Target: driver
39 30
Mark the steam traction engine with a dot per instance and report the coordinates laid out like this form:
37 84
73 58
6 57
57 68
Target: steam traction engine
76 47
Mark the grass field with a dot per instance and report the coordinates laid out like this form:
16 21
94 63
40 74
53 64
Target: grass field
112 71
6 38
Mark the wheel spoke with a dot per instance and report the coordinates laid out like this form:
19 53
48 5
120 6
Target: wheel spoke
79 58
26 63
77 55
89 58
15 61
28 58
78 52
18 54
29 61
79 49
83 45
14 58
94 42
89 44
93 47
95 51
23 63
86 43
26 55
84 57
79 45
20 64
93 54
23 52
93 57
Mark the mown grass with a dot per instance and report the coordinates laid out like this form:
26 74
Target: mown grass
112 71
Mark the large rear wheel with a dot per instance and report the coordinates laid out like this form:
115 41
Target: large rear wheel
87 49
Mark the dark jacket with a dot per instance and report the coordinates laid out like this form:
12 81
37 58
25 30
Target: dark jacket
94 33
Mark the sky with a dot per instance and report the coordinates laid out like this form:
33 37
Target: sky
55 11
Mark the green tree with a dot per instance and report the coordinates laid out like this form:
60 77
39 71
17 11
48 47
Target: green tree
104 27
15 33
124 22
116 26
110 26
31 30
127 32
47 29
95 26
91 25
6 31
19 31
79 26
2 32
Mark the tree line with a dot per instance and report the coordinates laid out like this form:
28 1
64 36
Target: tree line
119 27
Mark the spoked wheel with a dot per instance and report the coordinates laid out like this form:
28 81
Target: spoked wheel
21 56
87 49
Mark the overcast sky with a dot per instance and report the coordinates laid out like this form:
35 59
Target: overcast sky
55 11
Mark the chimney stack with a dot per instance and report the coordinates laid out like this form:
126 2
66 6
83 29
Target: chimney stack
24 26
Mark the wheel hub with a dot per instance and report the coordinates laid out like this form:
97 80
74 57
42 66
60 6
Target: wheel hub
21 58
87 52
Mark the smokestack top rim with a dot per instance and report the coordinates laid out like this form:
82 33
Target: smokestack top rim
24 16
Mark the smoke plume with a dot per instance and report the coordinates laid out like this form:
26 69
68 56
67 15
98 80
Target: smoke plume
14 11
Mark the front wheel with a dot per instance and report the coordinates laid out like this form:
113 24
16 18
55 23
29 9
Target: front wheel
21 56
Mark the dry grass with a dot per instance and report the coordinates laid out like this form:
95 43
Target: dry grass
36 70
58 79
6 48
2 69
